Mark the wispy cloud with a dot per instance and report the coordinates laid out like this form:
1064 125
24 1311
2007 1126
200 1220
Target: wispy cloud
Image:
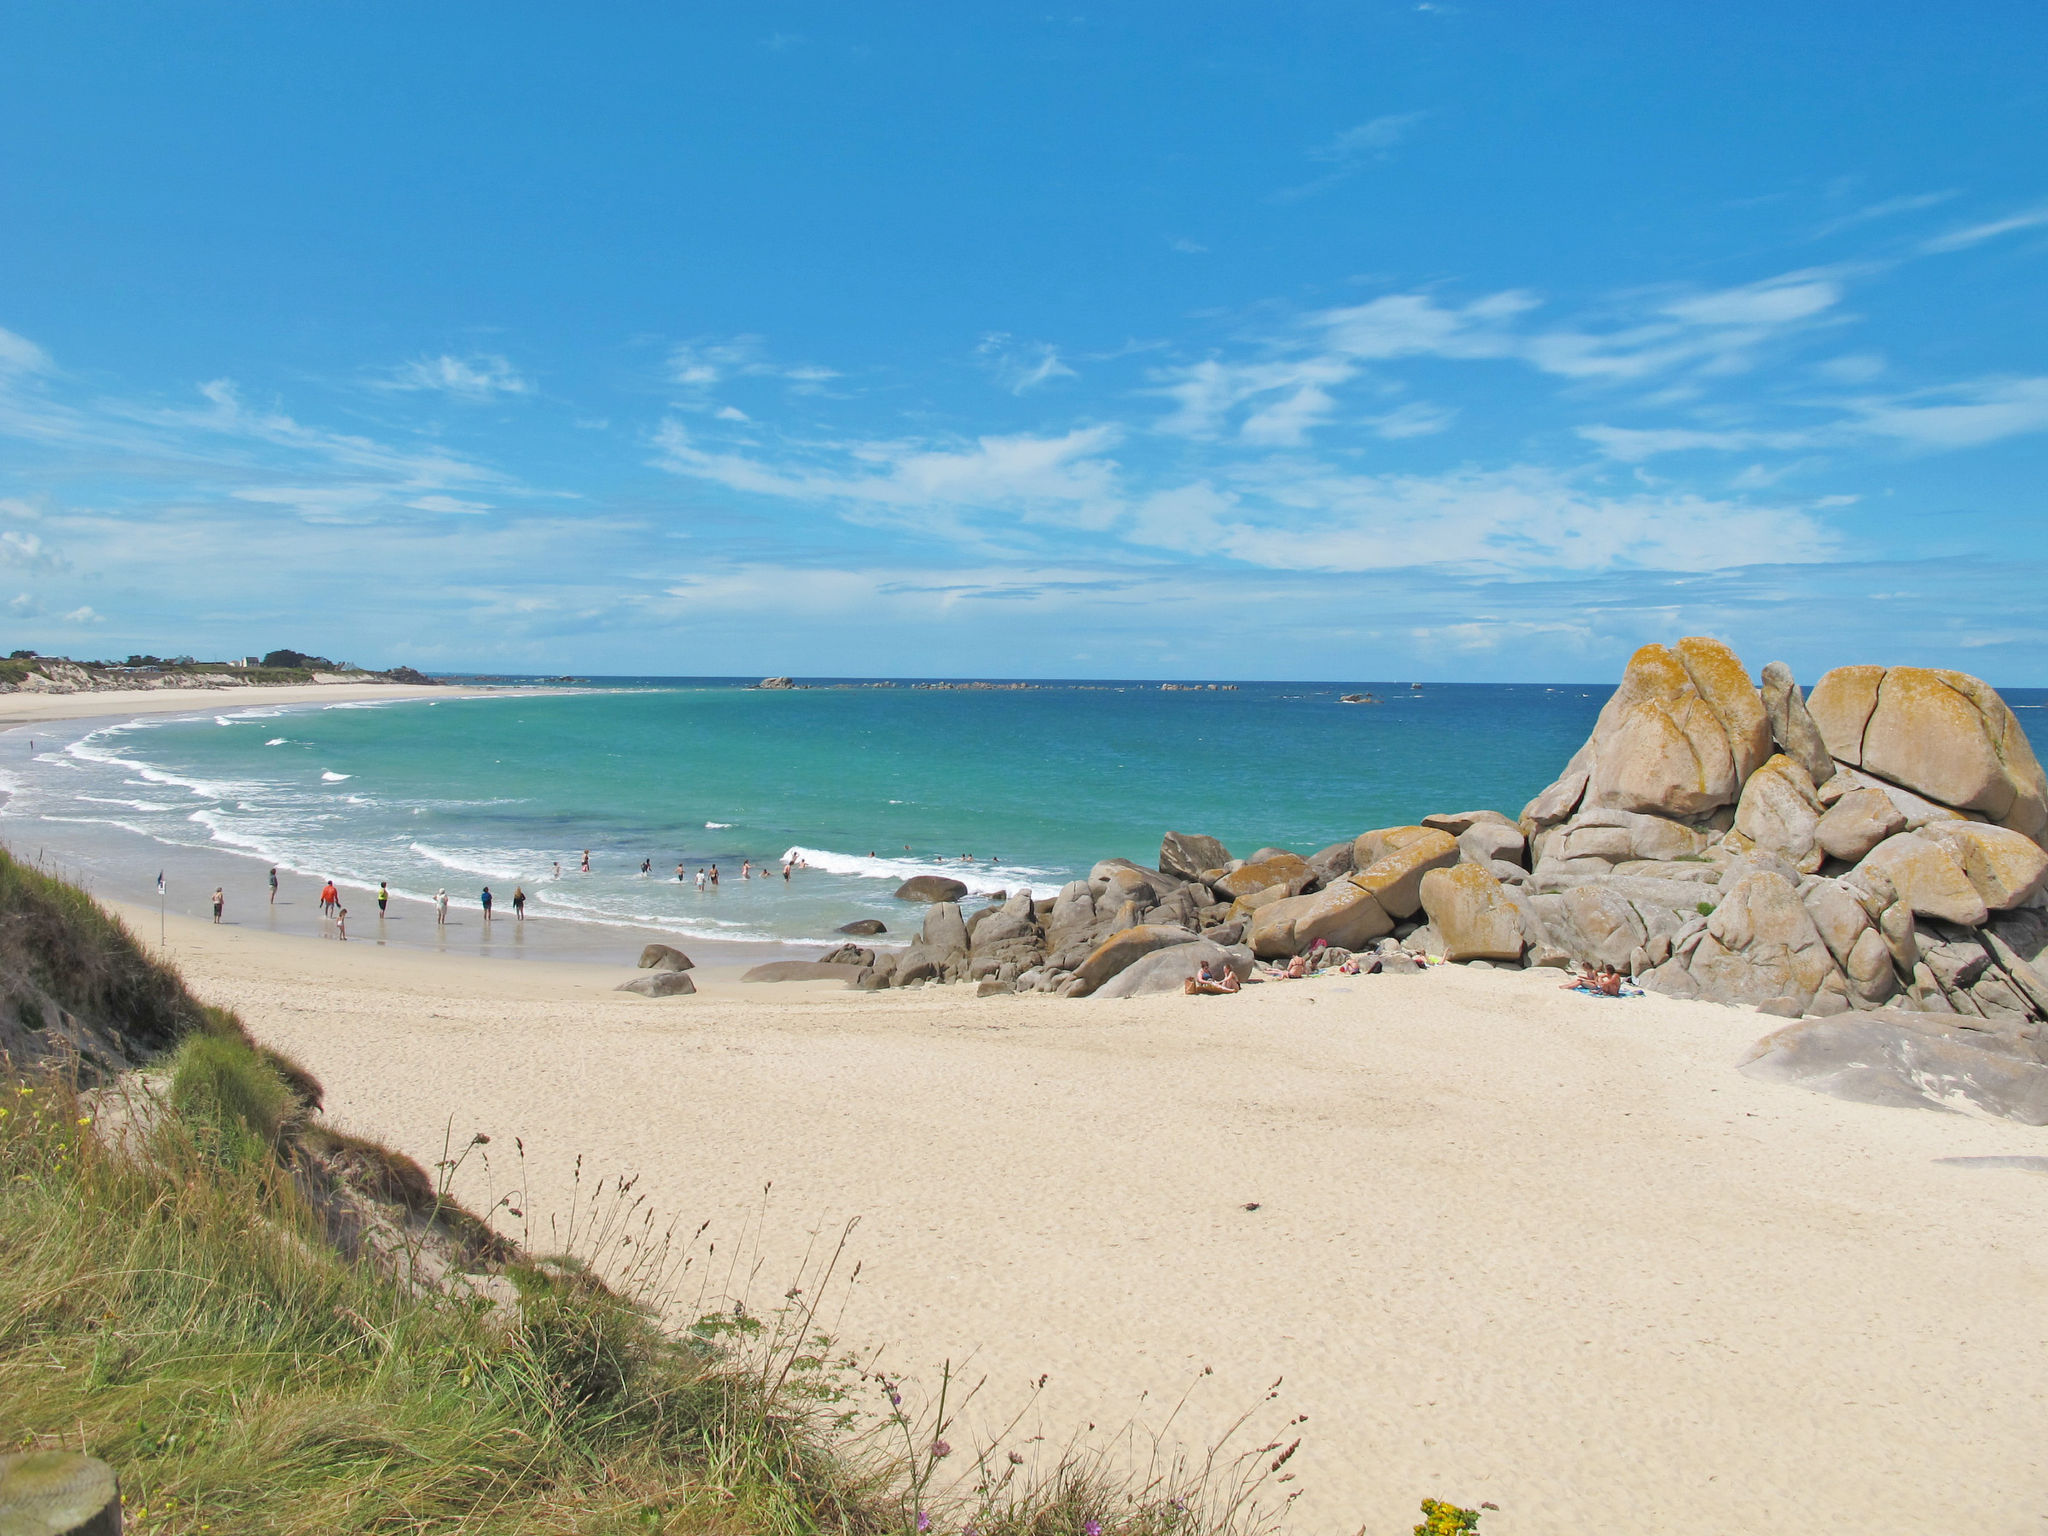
1966 415
1352 151
1889 208
477 377
701 365
1977 234
1020 368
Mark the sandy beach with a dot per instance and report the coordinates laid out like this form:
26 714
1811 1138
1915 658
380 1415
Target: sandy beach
1510 1244
28 708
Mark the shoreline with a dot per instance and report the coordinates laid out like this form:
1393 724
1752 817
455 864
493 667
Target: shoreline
547 938
1500 1242
25 708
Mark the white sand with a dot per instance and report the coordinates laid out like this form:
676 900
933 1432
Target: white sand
1512 1244
28 708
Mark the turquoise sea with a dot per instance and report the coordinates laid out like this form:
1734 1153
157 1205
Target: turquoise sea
865 785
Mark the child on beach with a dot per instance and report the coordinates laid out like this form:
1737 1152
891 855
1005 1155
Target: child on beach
519 903
341 924
441 906
383 897
273 885
486 899
219 900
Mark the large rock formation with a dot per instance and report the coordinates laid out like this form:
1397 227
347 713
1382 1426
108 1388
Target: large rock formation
1879 845
1941 734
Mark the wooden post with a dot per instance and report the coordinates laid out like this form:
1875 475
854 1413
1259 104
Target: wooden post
58 1493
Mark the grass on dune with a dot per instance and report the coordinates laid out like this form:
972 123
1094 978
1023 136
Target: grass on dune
175 1300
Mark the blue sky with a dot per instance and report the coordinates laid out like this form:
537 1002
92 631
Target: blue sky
1452 340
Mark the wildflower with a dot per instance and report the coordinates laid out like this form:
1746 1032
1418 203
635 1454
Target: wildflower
1092 1528
940 1448
1016 1458
924 1521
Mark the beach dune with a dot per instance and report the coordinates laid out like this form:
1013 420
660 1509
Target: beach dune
1498 1243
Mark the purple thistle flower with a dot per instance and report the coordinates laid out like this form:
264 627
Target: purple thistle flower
1092 1528
924 1521
940 1448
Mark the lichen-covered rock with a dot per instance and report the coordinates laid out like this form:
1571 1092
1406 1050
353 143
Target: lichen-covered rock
1168 970
1946 735
1369 847
1271 931
1395 877
1928 878
1486 841
1599 925
1458 823
1346 916
1280 869
1780 810
2004 867
1792 726
1761 945
1121 949
1473 913
1679 737
1187 854
1856 823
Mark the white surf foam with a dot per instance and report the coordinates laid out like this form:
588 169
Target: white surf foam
980 879
329 776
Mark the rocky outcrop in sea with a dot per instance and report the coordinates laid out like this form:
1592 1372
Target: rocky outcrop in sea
1874 848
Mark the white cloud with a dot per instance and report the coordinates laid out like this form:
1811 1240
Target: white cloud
1368 140
1021 368
1852 368
14 506
1977 234
1187 247
20 355
1063 480
448 504
27 550
1353 150
1960 416
1418 418
1208 392
82 616
1513 521
1888 208
698 365
23 606
477 377
1778 301
1632 445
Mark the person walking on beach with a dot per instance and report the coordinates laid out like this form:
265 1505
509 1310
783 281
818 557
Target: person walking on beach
341 923
519 902
219 900
273 885
383 897
487 903
441 906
